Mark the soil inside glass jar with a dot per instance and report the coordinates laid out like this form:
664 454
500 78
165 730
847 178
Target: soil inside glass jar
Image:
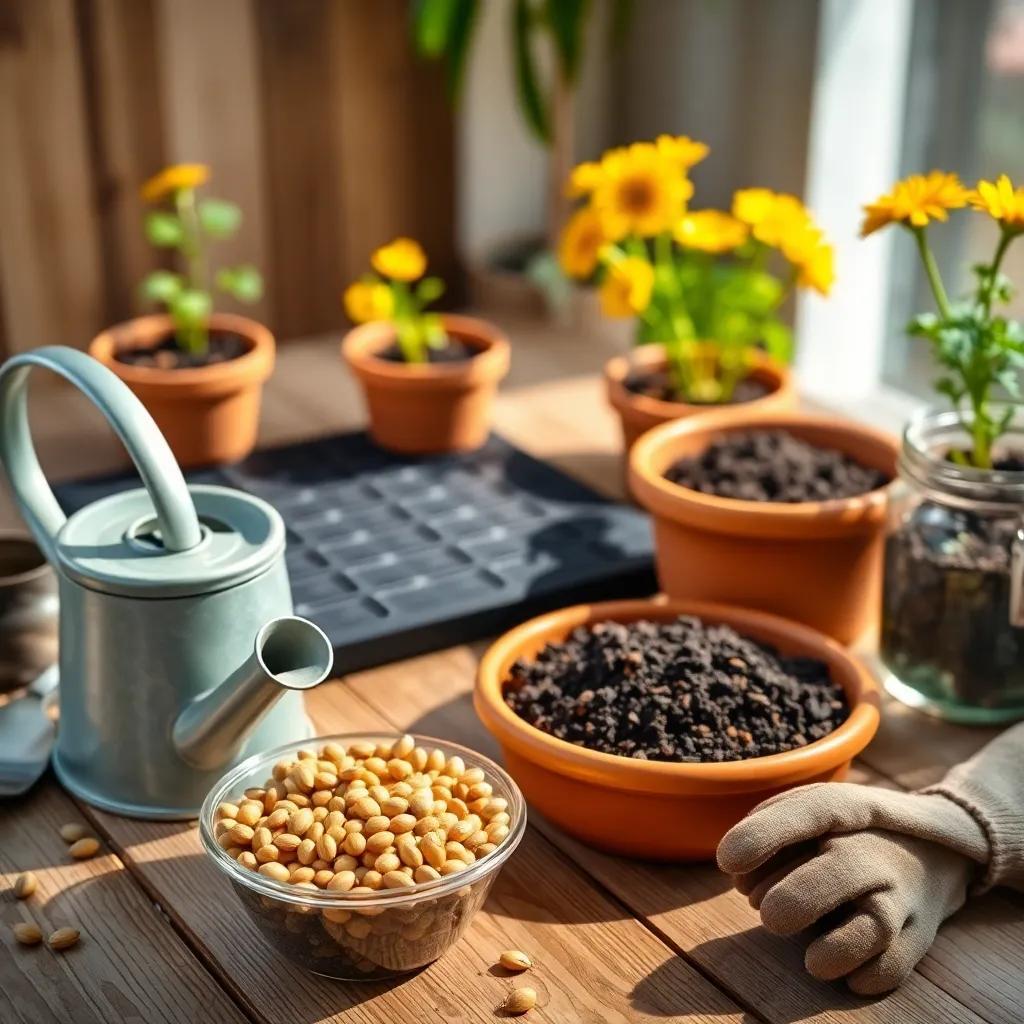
166 355
775 466
658 384
680 691
946 627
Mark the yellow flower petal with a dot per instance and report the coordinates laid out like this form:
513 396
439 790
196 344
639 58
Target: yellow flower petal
583 180
710 231
173 179
916 201
1001 201
752 205
368 300
681 150
401 260
580 243
627 287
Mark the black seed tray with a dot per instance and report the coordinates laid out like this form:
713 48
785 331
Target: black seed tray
393 556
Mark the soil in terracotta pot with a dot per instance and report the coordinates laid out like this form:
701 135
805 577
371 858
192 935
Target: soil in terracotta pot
773 465
675 691
455 351
165 355
657 384
946 605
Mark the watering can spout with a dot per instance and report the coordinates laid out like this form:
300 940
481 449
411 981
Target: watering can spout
289 654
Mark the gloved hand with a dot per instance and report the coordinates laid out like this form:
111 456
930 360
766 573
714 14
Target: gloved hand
878 896
879 870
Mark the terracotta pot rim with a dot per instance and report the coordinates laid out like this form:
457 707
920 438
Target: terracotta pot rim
254 365
489 363
623 773
775 374
37 572
652 454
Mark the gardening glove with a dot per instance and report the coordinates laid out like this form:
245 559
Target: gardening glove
878 871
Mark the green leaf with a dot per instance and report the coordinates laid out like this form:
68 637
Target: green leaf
430 289
163 228
218 217
444 28
567 21
778 340
431 26
433 331
161 286
191 307
244 282
530 99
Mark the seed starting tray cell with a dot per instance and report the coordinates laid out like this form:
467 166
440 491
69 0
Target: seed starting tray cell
393 556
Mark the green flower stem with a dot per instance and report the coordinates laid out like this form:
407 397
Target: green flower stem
410 337
1005 238
196 336
932 271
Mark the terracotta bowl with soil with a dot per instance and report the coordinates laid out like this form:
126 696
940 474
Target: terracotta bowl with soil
207 408
669 799
443 405
637 389
808 545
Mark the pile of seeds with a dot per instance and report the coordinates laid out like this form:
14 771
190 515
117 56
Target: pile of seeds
675 691
772 465
366 818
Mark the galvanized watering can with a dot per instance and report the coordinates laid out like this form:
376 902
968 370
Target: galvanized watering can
179 655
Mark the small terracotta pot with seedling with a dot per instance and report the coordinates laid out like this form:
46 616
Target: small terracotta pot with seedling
199 373
705 287
429 379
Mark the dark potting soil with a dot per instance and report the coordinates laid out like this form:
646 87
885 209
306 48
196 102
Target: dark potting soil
772 465
675 691
657 384
455 351
946 627
165 355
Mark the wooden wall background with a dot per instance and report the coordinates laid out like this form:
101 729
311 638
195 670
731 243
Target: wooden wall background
314 115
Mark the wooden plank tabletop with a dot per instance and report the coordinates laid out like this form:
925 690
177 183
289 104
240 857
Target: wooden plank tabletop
164 938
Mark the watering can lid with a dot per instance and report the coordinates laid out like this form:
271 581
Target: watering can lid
114 545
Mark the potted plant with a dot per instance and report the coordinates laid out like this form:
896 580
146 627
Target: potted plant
705 287
429 379
953 609
199 373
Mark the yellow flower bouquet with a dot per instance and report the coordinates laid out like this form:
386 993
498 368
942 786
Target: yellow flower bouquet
702 283
399 293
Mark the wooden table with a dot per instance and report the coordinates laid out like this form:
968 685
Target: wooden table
164 939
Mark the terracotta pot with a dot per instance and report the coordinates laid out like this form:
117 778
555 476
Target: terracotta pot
685 809
208 414
428 408
639 413
816 562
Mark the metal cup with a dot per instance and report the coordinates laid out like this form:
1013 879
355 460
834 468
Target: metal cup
28 611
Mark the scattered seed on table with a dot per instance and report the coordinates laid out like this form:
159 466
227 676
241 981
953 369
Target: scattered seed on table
27 933
518 1001
63 938
25 885
515 960
73 831
85 848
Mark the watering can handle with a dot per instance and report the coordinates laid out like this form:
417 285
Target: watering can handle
175 512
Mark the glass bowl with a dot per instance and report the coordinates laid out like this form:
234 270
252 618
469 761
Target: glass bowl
361 936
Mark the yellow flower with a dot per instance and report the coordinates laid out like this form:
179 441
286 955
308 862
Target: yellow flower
401 260
639 192
580 244
368 300
778 217
583 179
1001 201
915 201
626 289
812 257
173 179
710 231
751 205
681 150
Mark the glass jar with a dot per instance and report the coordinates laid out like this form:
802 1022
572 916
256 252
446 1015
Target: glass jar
952 638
